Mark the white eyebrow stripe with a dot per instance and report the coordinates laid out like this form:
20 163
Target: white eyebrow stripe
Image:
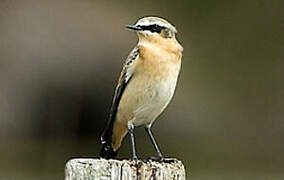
152 23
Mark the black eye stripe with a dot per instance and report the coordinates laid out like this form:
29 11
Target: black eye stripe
153 28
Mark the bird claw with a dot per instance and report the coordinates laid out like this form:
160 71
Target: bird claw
161 159
155 158
170 160
137 162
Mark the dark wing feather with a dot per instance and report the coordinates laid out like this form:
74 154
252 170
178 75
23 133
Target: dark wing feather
124 79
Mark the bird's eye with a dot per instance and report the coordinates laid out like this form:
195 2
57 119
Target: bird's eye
155 28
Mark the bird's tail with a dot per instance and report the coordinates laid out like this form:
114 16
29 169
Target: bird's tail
111 140
107 150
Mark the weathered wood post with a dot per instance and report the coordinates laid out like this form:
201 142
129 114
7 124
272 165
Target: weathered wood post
101 169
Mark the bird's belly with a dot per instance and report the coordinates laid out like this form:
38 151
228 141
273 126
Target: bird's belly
145 98
154 104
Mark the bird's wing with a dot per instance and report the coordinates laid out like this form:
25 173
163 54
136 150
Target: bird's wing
124 79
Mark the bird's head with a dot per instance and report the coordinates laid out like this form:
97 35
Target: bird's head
153 27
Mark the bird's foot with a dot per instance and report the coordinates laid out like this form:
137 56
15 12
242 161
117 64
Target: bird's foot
161 159
137 162
170 160
155 158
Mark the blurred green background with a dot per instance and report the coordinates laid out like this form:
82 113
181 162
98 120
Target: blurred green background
60 60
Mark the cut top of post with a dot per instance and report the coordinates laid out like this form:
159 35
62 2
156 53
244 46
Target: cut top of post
102 169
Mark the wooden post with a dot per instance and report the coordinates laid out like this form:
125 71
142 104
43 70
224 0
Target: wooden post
101 169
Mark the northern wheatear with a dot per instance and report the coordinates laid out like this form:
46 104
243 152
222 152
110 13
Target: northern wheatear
146 84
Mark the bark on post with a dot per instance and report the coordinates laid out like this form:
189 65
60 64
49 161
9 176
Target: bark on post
101 169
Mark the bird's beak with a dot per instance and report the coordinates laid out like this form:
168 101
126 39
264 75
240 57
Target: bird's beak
133 27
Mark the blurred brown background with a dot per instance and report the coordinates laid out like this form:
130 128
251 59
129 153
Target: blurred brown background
60 60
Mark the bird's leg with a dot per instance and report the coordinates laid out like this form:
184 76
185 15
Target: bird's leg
148 130
131 132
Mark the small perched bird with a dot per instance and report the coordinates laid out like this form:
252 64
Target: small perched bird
146 84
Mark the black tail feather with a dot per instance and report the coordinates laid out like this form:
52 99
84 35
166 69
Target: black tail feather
108 152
